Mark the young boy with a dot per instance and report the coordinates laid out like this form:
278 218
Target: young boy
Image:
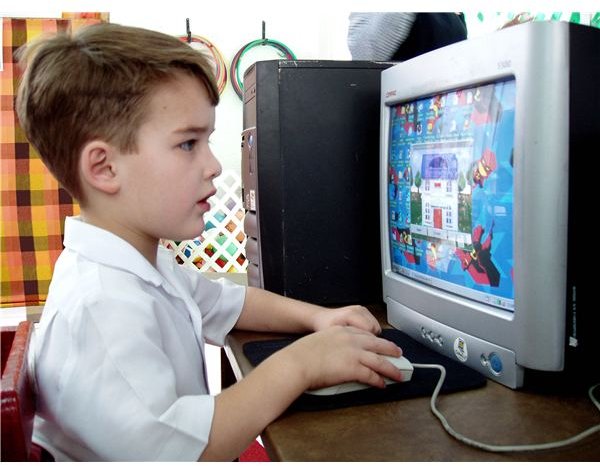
122 117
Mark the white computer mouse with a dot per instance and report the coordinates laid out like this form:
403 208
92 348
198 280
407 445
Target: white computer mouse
401 363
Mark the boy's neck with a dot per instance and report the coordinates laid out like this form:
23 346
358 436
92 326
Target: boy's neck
144 244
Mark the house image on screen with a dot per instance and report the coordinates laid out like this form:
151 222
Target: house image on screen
439 193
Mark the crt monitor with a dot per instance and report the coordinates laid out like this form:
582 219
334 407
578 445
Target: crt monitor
480 141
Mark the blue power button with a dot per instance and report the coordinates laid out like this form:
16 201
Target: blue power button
495 363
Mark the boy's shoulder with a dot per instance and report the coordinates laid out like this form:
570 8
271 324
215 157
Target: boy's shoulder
94 253
79 281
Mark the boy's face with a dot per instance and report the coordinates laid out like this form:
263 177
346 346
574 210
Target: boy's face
170 178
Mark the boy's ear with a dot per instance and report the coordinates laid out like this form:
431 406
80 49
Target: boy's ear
98 166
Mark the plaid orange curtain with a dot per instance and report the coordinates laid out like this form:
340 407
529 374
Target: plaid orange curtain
33 205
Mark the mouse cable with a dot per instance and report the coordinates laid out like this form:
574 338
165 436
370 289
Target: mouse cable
502 448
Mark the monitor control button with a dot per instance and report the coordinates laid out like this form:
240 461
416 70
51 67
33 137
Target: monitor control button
495 363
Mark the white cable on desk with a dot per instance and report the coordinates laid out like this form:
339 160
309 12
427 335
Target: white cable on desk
501 448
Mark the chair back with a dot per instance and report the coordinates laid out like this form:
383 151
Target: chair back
18 398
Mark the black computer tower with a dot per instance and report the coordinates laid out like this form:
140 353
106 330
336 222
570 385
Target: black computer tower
310 179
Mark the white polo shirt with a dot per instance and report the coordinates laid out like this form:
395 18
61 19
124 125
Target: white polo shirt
119 352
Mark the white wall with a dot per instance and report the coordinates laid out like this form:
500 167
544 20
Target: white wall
229 25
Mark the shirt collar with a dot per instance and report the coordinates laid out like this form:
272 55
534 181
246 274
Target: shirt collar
104 247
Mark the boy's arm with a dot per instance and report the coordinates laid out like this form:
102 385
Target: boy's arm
335 355
342 349
270 312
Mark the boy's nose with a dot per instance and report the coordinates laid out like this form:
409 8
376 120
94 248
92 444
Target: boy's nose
214 168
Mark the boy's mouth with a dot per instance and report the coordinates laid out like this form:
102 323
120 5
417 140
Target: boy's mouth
205 199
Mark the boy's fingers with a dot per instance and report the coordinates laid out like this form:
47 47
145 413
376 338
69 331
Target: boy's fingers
366 322
385 347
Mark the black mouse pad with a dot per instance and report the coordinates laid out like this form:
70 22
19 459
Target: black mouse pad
458 376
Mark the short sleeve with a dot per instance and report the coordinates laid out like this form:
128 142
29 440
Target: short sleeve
220 303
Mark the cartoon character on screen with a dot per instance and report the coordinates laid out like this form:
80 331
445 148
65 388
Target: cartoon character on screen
478 261
412 117
484 167
410 246
435 112
391 182
432 255
394 179
438 256
486 106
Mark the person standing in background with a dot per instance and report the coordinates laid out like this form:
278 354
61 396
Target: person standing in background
402 36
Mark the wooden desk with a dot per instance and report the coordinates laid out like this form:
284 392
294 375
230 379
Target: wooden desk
407 430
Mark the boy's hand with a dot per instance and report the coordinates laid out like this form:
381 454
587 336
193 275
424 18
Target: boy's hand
321 359
349 316
342 354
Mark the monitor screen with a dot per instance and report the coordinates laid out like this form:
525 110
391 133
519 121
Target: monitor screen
450 191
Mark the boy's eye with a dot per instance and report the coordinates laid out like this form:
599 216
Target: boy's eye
188 146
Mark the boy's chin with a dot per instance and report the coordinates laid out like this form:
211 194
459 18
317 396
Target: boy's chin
190 233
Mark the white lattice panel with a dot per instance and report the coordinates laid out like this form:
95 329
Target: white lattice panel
222 245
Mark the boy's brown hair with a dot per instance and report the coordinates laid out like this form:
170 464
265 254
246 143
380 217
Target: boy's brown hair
96 85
